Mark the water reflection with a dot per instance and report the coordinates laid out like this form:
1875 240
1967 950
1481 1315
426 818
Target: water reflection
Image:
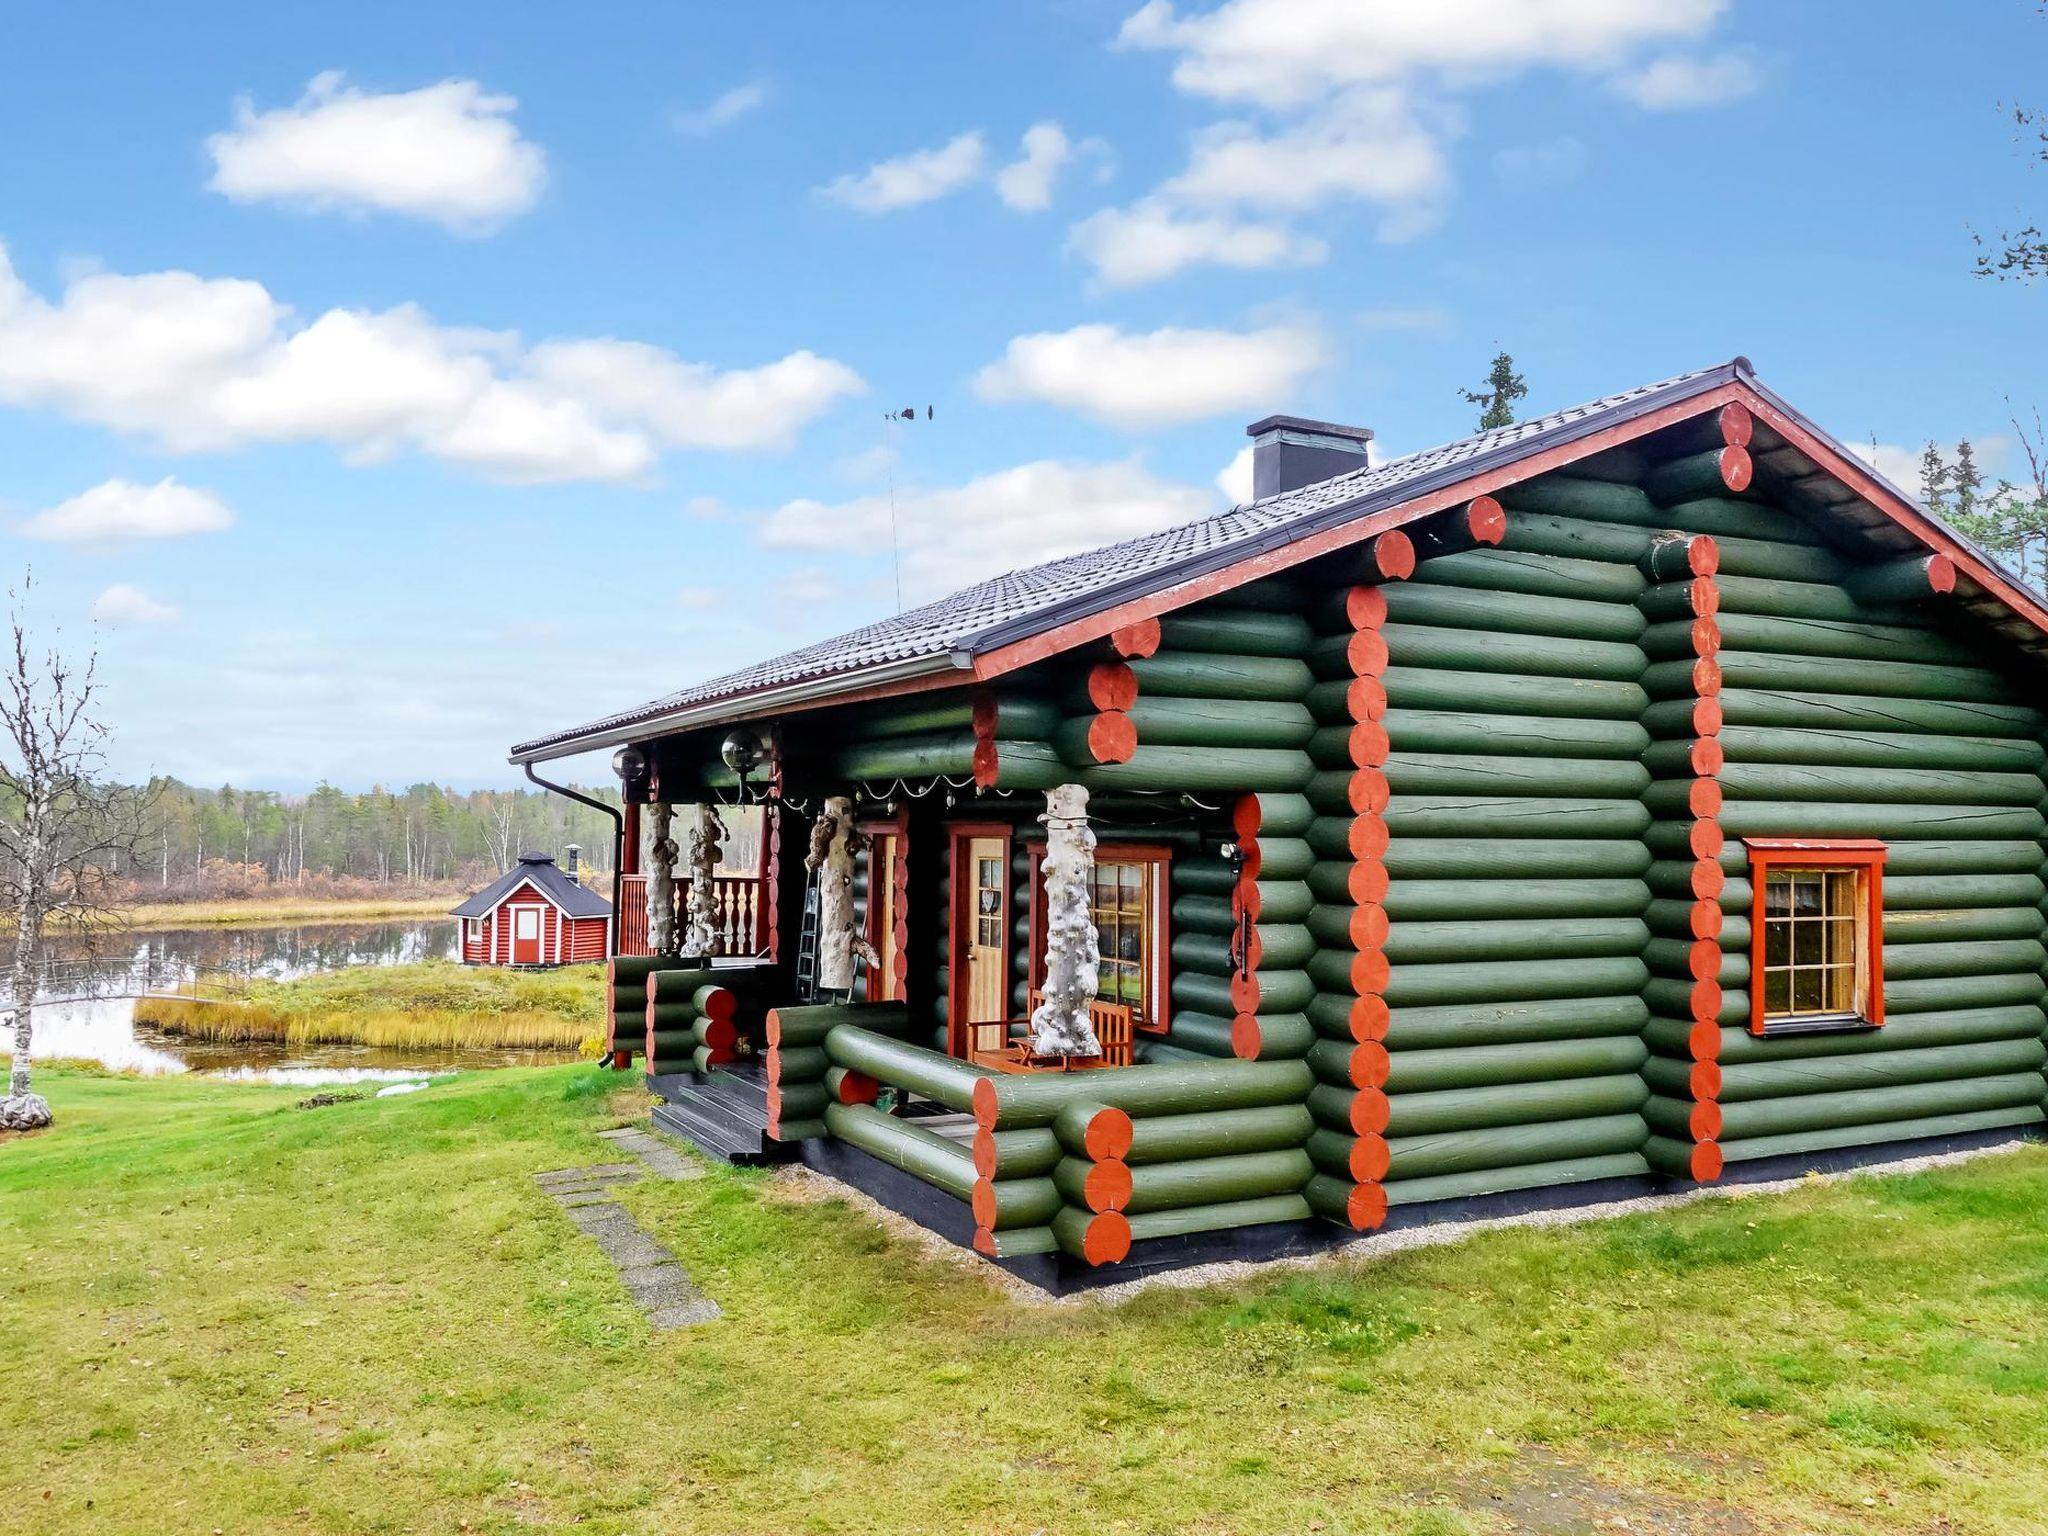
73 1025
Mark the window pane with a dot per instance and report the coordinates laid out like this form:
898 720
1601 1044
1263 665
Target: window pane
1806 888
1777 991
1841 990
1777 893
1807 995
1777 942
1806 942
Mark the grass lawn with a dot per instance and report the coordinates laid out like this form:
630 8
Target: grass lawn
218 1311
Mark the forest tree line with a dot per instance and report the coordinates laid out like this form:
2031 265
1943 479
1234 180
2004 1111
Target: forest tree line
220 843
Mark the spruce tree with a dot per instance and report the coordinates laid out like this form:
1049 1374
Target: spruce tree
1503 388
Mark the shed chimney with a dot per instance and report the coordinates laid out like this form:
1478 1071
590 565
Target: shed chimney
1289 452
571 854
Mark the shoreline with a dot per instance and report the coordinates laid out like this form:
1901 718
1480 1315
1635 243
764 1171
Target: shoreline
262 914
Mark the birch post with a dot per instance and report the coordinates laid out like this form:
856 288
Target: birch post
834 842
1073 950
700 934
661 880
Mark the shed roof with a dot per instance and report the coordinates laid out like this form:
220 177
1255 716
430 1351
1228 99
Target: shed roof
540 871
958 632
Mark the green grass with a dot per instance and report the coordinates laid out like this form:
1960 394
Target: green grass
433 1005
219 1311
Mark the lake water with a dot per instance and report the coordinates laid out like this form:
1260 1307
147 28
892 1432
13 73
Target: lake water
103 1029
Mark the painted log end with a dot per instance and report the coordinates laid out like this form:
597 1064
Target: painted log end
1704 1040
1705 918
1244 991
1368 837
985 1242
1369 1017
1707 716
983 1202
1941 574
986 765
858 1088
1369 792
1112 685
983 1100
1367 653
1107 1239
774 1027
1706 637
1366 1207
1703 596
1706 1161
1393 555
1246 1038
1705 1082
1703 552
983 1152
1369 1159
1107 1134
1369 926
1703 797
1706 839
1737 469
1708 756
1367 881
1112 738
1365 698
1369 1065
1371 1112
1369 745
1706 999
1246 817
1738 426
1709 879
1139 639
1107 1186
1370 971
1485 520
719 1004
1365 607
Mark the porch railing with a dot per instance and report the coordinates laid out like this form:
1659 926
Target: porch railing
739 914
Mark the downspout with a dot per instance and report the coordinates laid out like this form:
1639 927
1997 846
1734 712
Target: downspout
618 849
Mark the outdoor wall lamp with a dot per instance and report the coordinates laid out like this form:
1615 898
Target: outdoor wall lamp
741 751
1241 940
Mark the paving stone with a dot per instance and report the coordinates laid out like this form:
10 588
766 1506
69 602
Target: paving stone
663 1158
576 1197
652 1276
685 1314
596 1173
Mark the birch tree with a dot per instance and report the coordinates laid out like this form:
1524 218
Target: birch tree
63 827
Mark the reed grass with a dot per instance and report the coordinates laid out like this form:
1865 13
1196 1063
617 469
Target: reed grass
435 1005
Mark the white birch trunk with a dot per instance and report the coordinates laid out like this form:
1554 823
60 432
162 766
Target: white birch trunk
1073 949
24 1109
834 842
661 881
700 933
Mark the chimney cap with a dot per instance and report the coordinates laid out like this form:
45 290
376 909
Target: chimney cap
1308 425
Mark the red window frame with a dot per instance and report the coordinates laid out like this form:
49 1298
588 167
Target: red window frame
1157 1020
1865 855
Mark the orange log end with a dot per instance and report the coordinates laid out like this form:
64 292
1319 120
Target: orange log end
1369 745
1367 653
1705 1082
1368 881
1369 791
1736 468
1367 1207
1941 573
985 765
1370 971
1112 738
1368 1017
1706 1161
1703 797
1369 1112
1709 879
1244 992
1365 607
1703 596
983 1202
984 1242
1706 677
1139 639
1369 1159
1366 698
1706 637
1368 837
1703 959
1708 756
1706 839
1704 1040
1369 1065
1706 1000
1107 1134
1246 1038
721 1005
983 1098
1107 1186
1246 817
1393 556
1737 425
1368 927
1112 685
1707 717
984 1152
858 1088
1705 919
1107 1240
1486 521
1702 554
774 1066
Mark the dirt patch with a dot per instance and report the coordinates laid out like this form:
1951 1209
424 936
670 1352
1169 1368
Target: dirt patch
1541 1494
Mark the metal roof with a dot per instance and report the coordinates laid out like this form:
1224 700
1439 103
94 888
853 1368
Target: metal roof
541 872
952 632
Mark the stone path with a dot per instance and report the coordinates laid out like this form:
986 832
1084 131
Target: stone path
653 1277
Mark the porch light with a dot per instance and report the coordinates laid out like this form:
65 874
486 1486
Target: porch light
741 751
630 764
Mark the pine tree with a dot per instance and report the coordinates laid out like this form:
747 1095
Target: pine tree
1503 388
1935 476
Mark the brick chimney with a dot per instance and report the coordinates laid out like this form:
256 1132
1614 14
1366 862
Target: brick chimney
1289 452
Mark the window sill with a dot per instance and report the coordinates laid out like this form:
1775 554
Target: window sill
1832 1024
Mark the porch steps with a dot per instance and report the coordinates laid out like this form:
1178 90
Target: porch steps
724 1114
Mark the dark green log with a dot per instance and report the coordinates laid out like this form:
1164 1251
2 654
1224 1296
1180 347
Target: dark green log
808 1024
668 1015
1413 1157
1214 1180
1414 943
1493 1181
1490 1066
1020 1203
1726 518
1424 816
631 971
1152 1051
1437 731
1214 631
1171 722
801 1064
1327 1197
1670 1155
672 984
1915 893
703 1058
1543 533
804 1101
1206 876
1849 642
923 1154
1910 786
800 1130
1800 600
1464 650
1416 602
1878 1069
1181 675
1207 1034
1944 858
1910 580
1869 749
1017 717
1177 1138
1465 1026
1179 1088
1470 1109
1873 1106
1668 1116
1282 1036
1182 1220
1753 670
1501 570
1024 1154
1015 1242
1771 558
1184 770
1961 925
1944 993
1579 496
1279 901
1279 992
1480 899
1282 815
1518 693
1819 709
1920 962
1789 818
1907 1032
670 1051
1281 946
951 1083
1474 857
1204 915
905 757
1800 1143
1421 773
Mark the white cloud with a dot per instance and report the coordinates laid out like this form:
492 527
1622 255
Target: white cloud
1289 53
915 178
1899 465
723 111
996 522
1235 478
1561 159
121 509
1152 379
1151 240
1678 82
1026 184
215 363
123 604
448 153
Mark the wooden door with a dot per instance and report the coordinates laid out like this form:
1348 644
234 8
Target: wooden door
987 924
526 935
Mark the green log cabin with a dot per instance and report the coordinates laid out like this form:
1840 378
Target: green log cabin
1641 796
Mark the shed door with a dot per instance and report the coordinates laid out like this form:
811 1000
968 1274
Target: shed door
988 949
526 935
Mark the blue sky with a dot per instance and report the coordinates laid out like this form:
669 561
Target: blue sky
510 364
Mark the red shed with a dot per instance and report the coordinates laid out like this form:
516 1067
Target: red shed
534 914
